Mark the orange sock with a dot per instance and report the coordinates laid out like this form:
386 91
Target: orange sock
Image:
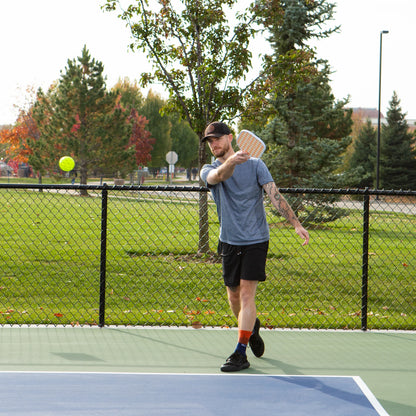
243 336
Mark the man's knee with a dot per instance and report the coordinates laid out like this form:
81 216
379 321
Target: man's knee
234 294
248 291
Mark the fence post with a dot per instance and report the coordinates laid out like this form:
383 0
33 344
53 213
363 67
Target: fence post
364 284
103 255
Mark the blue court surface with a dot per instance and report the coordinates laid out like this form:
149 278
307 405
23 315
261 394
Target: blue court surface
132 394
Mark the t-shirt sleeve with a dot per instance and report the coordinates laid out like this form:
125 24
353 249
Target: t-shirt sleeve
263 174
205 171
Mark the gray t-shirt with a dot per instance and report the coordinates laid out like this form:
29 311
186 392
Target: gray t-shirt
239 202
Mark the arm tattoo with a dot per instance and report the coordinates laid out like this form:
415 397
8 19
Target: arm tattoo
280 203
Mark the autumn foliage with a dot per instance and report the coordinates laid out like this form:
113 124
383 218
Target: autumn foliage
16 137
141 138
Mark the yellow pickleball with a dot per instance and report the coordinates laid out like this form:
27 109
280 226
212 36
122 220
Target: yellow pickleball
66 163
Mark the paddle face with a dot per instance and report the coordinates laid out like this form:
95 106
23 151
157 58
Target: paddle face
250 143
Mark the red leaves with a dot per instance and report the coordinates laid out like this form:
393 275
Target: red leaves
77 124
141 138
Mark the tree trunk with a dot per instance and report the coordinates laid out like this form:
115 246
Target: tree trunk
83 179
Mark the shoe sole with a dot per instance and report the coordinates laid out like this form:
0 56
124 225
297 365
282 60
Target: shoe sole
256 342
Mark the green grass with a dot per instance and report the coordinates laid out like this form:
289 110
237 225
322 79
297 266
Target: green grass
50 257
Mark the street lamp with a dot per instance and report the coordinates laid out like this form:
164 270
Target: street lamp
379 105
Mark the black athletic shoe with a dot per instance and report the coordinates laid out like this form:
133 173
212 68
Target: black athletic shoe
235 362
255 341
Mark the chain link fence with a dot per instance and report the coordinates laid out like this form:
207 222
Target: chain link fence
131 255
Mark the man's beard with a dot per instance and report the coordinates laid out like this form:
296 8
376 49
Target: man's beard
223 151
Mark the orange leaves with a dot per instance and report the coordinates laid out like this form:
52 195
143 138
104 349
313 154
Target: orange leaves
16 137
193 314
8 313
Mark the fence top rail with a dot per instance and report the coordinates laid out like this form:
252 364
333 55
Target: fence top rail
188 188
348 191
182 188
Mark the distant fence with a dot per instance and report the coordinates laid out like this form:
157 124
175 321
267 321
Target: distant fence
128 255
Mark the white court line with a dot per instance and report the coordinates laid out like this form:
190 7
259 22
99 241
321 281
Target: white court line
370 396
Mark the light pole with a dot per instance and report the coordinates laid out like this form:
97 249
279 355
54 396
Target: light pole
379 105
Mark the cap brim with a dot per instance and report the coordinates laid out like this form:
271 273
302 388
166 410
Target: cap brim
213 135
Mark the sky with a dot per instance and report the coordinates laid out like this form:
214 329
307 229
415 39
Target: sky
38 37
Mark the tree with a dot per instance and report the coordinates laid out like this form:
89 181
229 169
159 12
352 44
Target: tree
131 99
79 117
398 151
306 128
141 138
16 137
184 142
159 127
361 169
131 96
198 59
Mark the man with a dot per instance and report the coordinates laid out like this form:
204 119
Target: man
237 182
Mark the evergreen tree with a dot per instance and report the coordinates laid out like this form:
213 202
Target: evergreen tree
80 118
398 151
361 169
306 128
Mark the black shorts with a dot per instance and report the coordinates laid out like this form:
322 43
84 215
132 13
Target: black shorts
243 262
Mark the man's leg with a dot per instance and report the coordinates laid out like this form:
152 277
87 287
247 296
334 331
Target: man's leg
247 315
242 303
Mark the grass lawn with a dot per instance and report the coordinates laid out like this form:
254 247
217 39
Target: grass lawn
50 256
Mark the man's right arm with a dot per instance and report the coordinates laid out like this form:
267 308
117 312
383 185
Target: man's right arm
226 170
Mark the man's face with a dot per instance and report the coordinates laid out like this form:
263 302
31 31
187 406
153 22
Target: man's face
219 145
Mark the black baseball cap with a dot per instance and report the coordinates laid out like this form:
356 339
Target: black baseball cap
216 129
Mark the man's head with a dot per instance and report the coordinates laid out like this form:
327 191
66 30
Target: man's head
219 137
216 129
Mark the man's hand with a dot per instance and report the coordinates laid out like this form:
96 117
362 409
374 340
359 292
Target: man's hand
239 157
303 233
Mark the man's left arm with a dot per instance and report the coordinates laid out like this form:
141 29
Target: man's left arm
280 203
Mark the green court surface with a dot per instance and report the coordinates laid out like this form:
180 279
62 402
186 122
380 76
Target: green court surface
385 361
